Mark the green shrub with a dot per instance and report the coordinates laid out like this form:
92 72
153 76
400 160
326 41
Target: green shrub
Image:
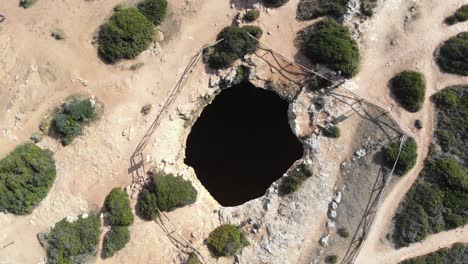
461 15
154 10
275 3
193 259
115 240
331 259
70 118
118 206
226 240
453 55
26 175
73 242
311 9
368 6
236 44
446 98
330 43
173 192
125 35
343 232
332 132
408 156
448 172
27 3
252 15
456 255
409 89
294 181
147 205
412 225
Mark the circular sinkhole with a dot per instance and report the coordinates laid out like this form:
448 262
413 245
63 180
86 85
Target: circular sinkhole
241 143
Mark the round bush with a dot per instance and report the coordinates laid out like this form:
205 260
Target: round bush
154 10
330 43
26 175
173 192
409 89
115 240
73 241
408 156
80 110
461 15
331 259
453 55
291 183
311 9
66 125
147 205
343 232
125 35
252 15
226 240
118 206
332 132
275 3
446 98
193 259
235 45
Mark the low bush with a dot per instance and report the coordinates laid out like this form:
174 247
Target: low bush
409 89
368 6
193 259
411 224
27 3
154 10
453 55
311 9
118 206
115 240
343 232
73 241
69 119
173 192
407 159
127 33
26 175
294 181
331 259
252 15
226 240
461 15
275 3
330 43
236 44
457 254
452 113
332 132
147 205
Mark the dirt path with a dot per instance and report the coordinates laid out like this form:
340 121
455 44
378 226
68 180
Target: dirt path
414 42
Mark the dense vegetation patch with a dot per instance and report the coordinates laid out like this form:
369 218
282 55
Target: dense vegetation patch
407 159
437 201
409 89
275 3
120 216
457 254
330 43
193 259
167 193
118 207
452 113
70 118
453 55
461 15
294 181
73 241
154 10
127 33
226 240
235 45
115 240
26 175
252 15
310 9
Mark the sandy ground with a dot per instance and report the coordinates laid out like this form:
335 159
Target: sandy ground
38 72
